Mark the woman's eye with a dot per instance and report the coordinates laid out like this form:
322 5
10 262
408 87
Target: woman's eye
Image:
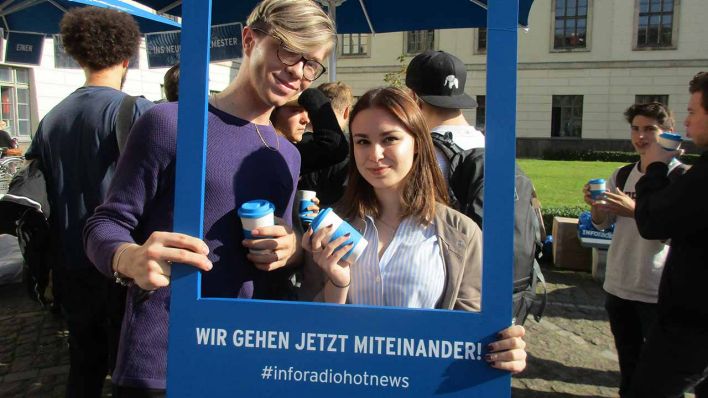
361 141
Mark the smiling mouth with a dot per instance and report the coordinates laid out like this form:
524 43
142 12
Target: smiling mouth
284 83
378 170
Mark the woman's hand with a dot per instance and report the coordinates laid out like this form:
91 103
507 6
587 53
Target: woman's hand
313 209
509 352
328 256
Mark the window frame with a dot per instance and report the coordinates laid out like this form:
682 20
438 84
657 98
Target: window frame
558 134
674 28
477 36
367 46
652 98
14 120
433 46
588 30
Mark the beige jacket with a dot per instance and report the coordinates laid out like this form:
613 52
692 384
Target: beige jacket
461 248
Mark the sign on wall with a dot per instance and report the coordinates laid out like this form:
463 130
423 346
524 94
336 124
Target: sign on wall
24 48
163 49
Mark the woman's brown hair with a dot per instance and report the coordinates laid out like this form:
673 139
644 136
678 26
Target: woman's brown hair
423 186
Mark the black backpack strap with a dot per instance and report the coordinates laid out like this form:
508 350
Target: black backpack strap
538 276
622 175
445 143
124 120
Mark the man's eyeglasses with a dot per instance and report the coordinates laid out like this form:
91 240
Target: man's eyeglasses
311 69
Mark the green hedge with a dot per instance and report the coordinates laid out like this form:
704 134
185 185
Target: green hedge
603 156
564 211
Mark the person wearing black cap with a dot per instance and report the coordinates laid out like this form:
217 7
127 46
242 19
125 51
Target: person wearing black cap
437 81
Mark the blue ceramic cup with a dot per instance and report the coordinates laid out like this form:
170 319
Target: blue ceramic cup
597 188
255 214
304 199
328 217
669 141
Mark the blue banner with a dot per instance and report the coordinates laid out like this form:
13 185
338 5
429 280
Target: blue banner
163 49
24 48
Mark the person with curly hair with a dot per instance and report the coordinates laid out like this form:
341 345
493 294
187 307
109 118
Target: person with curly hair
76 147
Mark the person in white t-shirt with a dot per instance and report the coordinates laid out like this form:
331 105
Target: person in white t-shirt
634 264
437 82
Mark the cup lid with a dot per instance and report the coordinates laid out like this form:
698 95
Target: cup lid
256 208
597 181
319 218
671 136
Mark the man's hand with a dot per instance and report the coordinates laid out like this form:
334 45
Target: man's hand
150 264
619 203
655 153
278 243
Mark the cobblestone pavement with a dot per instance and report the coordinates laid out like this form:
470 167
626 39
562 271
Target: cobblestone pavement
571 352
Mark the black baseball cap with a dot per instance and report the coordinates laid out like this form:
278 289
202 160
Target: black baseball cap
438 78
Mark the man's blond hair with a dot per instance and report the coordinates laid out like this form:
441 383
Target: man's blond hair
302 25
339 93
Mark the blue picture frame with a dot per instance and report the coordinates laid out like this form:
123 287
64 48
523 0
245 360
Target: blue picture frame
251 348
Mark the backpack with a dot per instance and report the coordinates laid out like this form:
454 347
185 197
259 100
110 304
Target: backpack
623 173
466 189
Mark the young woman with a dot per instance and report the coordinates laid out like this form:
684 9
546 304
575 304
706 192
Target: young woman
421 253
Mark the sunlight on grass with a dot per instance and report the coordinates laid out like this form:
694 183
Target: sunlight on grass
560 183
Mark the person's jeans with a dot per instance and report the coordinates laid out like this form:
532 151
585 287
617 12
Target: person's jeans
93 307
630 322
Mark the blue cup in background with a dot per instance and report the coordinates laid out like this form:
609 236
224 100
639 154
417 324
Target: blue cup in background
255 214
597 188
669 141
328 217
304 199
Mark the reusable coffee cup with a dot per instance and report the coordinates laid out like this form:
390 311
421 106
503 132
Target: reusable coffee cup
597 188
669 141
256 214
328 217
304 199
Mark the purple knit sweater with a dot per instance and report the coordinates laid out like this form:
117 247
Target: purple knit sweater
141 200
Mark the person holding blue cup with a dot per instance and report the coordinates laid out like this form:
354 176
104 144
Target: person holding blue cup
419 252
597 188
307 206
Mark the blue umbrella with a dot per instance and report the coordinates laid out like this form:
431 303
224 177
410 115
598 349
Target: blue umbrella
43 16
369 16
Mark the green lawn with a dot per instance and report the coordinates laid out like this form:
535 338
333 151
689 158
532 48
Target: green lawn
560 183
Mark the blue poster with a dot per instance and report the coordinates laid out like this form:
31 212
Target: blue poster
24 48
163 49
252 348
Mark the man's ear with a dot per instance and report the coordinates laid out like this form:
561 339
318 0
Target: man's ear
345 114
125 63
248 40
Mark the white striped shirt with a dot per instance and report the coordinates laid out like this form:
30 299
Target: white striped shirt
411 272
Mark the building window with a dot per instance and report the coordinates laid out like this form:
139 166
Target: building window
481 42
567 116
15 100
646 98
570 24
418 41
354 44
655 23
479 121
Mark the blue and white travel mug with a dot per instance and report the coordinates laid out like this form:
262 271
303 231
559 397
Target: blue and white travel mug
328 217
669 141
597 188
256 214
304 200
